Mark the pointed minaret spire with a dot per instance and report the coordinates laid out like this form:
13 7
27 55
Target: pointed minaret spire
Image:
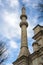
23 24
23 10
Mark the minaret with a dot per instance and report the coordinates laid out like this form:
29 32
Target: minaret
24 44
23 58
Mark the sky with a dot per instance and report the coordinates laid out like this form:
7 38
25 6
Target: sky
10 31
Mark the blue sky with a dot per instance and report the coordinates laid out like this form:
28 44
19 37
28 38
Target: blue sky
10 32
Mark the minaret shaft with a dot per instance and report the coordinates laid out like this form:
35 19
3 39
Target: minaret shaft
24 36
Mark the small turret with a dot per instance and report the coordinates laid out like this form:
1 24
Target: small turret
35 46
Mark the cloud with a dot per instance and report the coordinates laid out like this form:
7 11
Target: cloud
32 3
13 44
10 18
30 31
1 3
13 3
9 64
25 1
11 27
30 49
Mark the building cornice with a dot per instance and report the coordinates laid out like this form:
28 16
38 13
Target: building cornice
36 53
37 26
38 34
20 59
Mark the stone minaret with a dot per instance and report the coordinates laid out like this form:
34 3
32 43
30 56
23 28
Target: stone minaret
24 44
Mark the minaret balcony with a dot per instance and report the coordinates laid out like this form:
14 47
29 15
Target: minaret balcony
23 23
23 16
